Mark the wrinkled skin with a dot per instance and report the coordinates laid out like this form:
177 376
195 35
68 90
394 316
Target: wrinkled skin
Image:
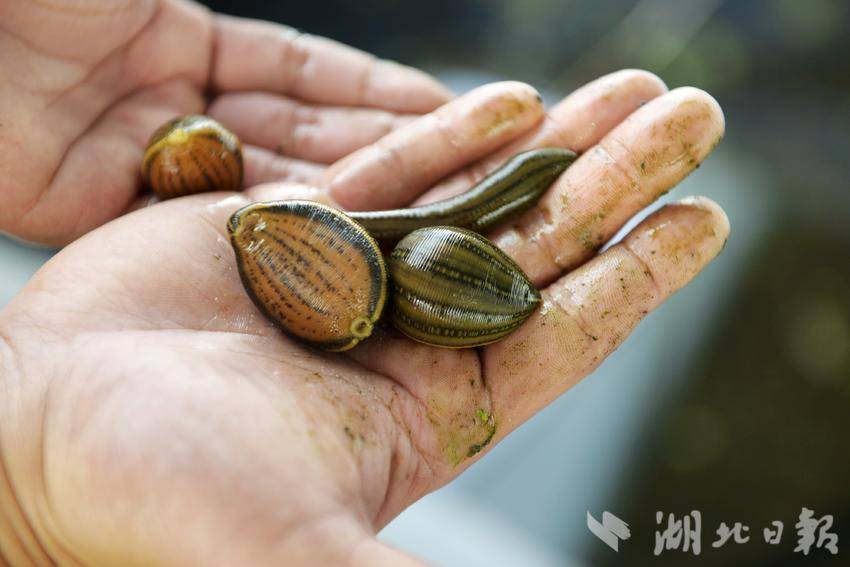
150 415
86 82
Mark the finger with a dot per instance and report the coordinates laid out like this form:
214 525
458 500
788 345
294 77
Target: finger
393 171
264 166
639 160
577 122
277 191
320 134
586 314
259 56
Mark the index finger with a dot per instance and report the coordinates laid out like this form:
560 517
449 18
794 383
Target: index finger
398 167
261 56
577 122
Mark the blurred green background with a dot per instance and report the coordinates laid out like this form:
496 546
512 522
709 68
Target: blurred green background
733 398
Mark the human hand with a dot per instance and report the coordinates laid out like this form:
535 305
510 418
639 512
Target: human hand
84 84
151 415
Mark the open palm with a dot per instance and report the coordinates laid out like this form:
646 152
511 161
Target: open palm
152 416
85 83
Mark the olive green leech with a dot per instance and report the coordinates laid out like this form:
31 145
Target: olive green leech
509 191
453 288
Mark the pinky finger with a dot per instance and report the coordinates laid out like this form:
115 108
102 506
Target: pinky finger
589 312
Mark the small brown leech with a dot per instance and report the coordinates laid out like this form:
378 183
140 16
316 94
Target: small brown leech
310 269
192 154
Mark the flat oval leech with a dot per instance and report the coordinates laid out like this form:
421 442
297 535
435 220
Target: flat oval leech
453 288
312 270
509 191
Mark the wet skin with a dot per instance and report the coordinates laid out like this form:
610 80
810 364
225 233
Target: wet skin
151 414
